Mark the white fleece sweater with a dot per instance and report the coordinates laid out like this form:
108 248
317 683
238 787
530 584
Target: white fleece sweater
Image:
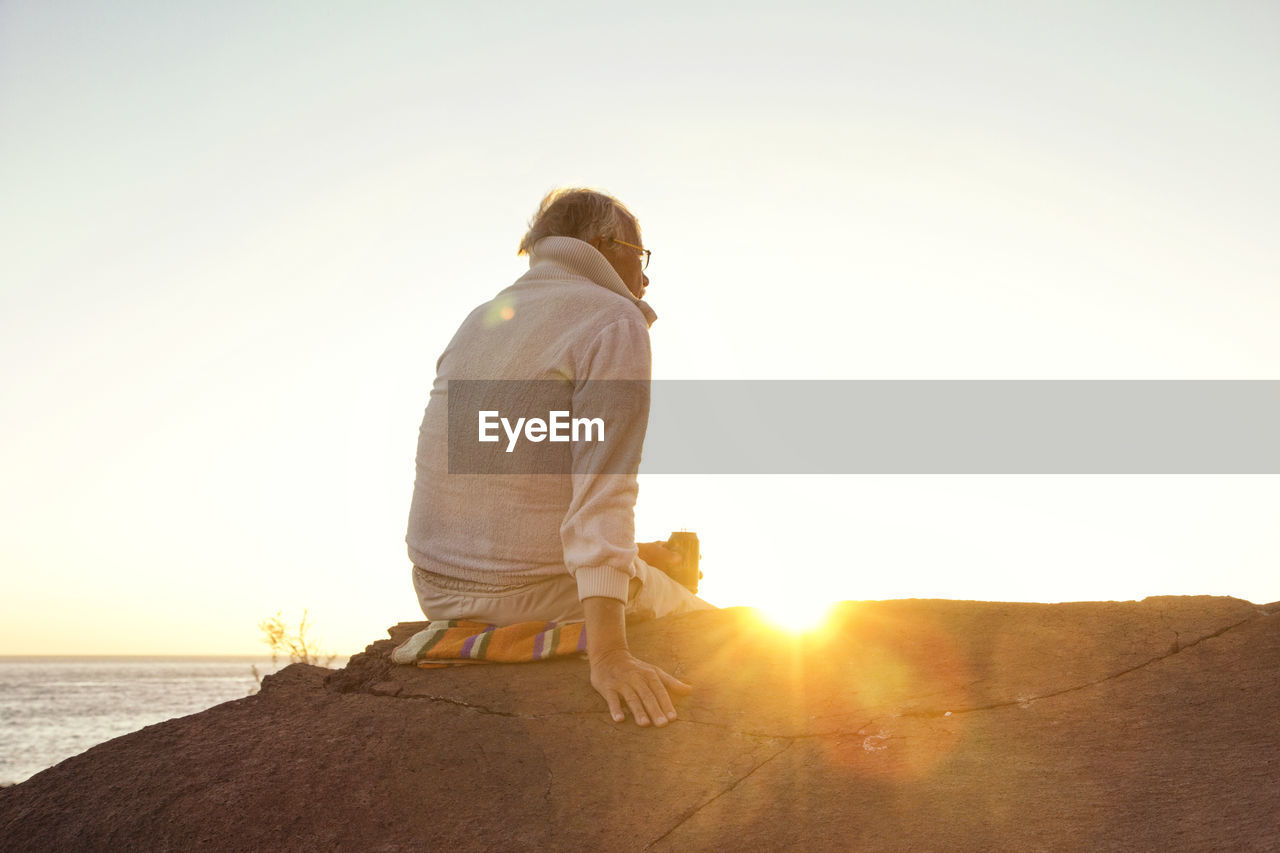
569 319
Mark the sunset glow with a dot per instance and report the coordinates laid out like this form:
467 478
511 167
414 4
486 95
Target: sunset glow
239 237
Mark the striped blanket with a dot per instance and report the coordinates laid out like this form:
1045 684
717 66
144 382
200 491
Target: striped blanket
447 643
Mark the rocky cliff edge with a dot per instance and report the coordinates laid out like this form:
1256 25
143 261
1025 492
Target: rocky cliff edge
902 725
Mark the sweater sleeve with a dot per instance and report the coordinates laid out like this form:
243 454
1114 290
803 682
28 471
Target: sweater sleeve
598 532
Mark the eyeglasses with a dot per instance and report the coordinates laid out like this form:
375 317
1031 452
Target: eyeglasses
644 253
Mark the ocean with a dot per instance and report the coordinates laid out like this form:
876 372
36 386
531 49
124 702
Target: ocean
52 708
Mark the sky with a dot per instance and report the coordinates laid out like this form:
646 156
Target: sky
235 237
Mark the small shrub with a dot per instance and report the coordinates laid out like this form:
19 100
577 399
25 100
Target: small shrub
297 645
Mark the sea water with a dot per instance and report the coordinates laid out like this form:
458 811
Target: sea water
52 708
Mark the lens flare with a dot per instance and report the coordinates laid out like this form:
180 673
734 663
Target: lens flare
499 311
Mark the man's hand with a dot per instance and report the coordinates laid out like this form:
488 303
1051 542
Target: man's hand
646 689
621 678
658 555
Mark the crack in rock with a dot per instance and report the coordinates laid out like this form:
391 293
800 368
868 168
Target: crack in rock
777 735
736 782
551 778
1025 701
482 709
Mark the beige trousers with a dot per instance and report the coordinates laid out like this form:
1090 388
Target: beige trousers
652 594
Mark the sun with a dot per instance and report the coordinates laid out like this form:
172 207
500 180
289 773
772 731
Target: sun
796 614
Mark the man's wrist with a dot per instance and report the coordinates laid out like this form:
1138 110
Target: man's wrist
608 657
606 627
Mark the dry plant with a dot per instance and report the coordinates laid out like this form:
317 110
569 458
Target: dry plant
299 647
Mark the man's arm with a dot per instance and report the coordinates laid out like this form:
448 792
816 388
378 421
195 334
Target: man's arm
619 677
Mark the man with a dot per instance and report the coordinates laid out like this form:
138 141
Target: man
505 548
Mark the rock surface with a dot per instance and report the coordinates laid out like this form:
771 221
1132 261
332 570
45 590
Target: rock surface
903 725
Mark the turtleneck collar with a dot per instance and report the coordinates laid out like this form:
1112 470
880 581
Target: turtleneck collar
581 258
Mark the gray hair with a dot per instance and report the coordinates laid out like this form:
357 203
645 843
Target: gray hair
583 213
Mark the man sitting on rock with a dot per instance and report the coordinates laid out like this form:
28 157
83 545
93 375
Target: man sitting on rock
504 548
